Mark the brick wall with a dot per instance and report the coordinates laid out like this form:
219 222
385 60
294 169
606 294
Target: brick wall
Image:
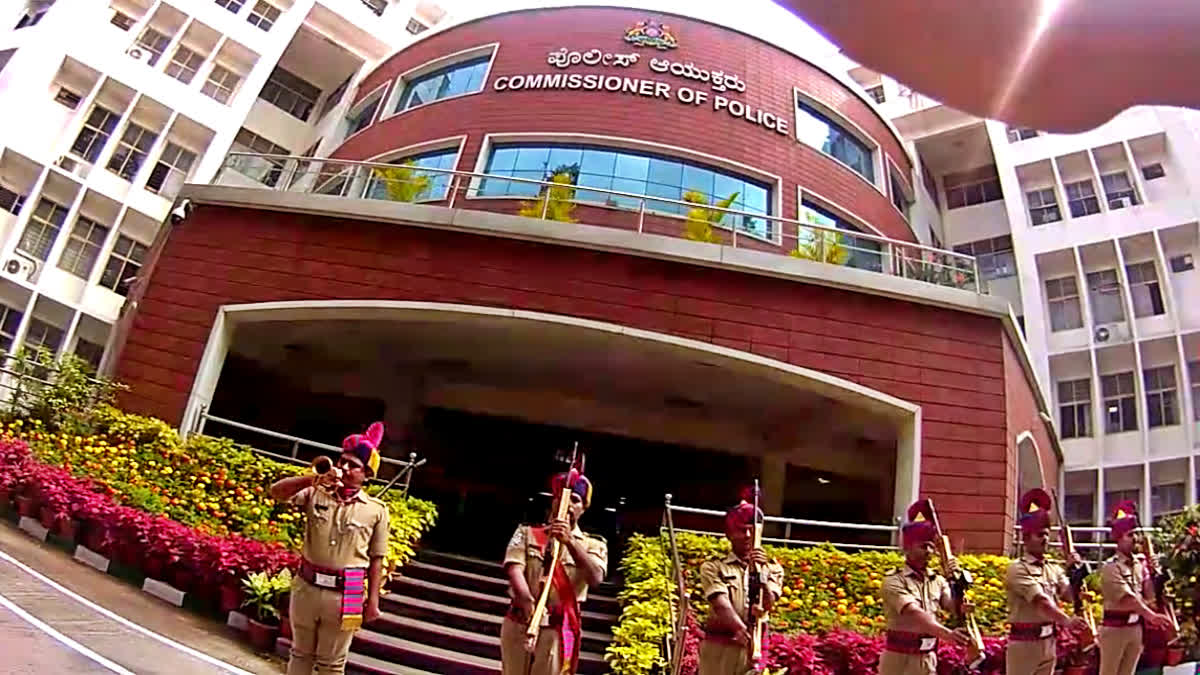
1023 415
527 37
952 363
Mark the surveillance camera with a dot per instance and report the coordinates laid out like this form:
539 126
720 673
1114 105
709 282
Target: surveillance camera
181 212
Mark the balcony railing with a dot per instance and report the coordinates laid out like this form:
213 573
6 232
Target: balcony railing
645 214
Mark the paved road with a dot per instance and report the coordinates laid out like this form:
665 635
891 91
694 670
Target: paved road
27 650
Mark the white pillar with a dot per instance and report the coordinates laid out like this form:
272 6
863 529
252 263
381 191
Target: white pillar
1135 172
1100 193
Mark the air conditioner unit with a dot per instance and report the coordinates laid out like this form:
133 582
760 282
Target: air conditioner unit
20 268
139 54
1121 203
74 166
1112 332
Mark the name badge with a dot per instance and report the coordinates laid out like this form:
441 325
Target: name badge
928 644
326 580
1133 618
1047 630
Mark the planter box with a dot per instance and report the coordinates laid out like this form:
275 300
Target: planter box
1189 668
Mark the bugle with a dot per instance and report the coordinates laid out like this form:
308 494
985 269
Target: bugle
1160 577
960 582
329 477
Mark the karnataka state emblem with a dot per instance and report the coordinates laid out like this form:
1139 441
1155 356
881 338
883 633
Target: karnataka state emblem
651 34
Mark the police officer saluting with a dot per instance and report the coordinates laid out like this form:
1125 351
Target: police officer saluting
345 543
1127 599
1033 586
912 596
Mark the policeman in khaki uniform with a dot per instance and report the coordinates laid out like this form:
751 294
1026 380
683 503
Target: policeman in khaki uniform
585 563
725 649
1127 599
1033 586
345 543
912 596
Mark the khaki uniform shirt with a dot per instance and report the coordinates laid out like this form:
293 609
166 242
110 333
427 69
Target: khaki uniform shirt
731 576
1120 578
523 550
1028 578
905 587
341 534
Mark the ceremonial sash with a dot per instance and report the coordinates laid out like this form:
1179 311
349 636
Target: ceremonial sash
570 629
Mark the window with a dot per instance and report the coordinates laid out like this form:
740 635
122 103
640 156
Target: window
1143 286
1168 498
171 171
153 42
416 27
361 115
221 83
377 6
1120 405
1081 198
899 198
122 21
437 183
1118 190
42 229
1043 206
123 264
815 129
95 132
83 247
42 335
1114 497
32 15
1017 134
876 93
67 97
1162 406
1182 263
969 188
994 256
290 94
10 321
184 64
1062 298
626 171
1075 408
131 151
233 6
1153 171
1194 376
265 170
465 77
1079 509
263 15
334 97
1104 295
864 254
11 201
90 352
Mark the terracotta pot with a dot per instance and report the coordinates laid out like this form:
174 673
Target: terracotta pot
27 507
231 598
182 578
48 517
1075 670
285 628
5 499
1174 656
68 528
262 636
128 554
93 538
154 568
1153 657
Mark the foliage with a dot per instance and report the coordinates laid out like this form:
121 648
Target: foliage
263 591
555 202
62 394
701 218
938 268
402 183
1178 540
821 246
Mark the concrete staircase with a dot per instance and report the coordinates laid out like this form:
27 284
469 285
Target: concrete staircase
443 616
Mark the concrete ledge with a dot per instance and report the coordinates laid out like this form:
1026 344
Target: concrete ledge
237 620
33 528
163 591
90 558
1190 668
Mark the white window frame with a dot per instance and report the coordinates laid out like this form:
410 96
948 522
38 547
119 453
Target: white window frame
400 82
127 260
1117 398
637 145
1030 207
5 311
257 20
458 143
47 226
221 86
1075 403
154 51
1140 283
142 131
376 94
86 245
905 187
1050 303
1162 392
171 168
1193 372
181 67
847 124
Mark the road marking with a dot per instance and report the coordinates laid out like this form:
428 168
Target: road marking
60 638
225 667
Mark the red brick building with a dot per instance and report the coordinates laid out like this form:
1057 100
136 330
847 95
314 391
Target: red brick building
803 335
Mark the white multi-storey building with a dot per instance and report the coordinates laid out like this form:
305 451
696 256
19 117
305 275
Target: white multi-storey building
1093 239
108 107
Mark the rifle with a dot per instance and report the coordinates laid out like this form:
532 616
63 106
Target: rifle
960 582
1076 572
553 546
757 590
1160 578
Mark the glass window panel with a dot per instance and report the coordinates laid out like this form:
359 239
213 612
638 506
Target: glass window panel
668 172
454 80
502 161
632 167
533 159
699 179
564 157
599 162
723 186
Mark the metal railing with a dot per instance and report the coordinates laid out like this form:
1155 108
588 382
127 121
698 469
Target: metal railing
404 469
646 214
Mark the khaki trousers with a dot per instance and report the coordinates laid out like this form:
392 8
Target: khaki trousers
1120 649
1030 657
720 658
317 636
895 663
546 658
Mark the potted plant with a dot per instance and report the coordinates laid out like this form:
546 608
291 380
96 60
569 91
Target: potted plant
262 593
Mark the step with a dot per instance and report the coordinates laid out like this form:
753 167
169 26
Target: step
482 638
494 568
360 663
474 600
423 654
491 585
